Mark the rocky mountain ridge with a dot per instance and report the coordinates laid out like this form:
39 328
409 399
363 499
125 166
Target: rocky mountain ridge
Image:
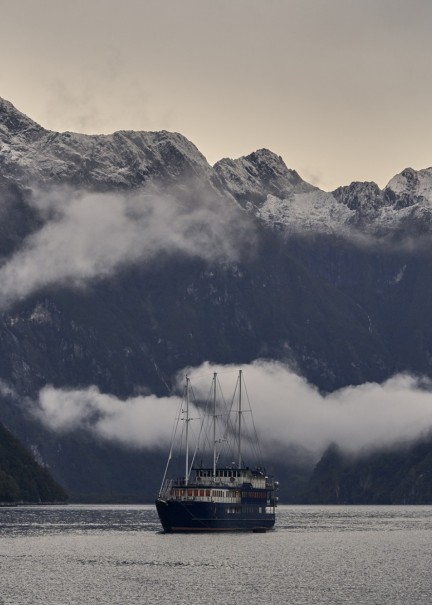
337 309
260 182
32 155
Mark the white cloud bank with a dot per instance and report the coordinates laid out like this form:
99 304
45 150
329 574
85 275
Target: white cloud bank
143 421
91 235
287 410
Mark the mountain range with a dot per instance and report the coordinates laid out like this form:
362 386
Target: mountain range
127 257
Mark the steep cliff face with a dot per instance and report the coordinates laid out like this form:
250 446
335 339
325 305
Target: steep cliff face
399 476
22 479
335 284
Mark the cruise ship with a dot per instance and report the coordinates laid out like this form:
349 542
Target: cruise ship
227 497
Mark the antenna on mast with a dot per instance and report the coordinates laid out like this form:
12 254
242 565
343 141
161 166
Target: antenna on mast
187 433
240 419
214 424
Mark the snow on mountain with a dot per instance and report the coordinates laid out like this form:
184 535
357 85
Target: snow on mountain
315 211
276 195
15 123
250 179
413 185
363 198
124 159
260 182
279 197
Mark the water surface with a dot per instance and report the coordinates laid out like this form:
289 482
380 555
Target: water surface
117 554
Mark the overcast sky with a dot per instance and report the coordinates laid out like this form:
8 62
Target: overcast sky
341 89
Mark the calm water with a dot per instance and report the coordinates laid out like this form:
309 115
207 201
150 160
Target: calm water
115 554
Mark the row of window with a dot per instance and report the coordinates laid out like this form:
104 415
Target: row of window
215 493
194 493
231 510
220 473
254 495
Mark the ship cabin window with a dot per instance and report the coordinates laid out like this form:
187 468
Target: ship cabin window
219 473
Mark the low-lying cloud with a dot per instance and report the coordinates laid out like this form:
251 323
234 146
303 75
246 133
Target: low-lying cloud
143 421
287 410
91 235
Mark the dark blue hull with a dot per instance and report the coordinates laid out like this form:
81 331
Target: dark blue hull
190 516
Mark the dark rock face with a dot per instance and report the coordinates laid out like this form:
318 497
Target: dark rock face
400 476
338 311
22 479
362 197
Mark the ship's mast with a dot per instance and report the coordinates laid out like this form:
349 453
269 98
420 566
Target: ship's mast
214 424
187 433
240 419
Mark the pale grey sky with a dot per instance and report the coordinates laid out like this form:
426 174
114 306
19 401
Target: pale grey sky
341 89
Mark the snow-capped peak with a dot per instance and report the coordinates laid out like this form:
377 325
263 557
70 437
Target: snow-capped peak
252 178
13 122
413 183
31 154
260 182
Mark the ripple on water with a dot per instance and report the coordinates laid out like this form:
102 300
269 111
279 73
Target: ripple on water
81 555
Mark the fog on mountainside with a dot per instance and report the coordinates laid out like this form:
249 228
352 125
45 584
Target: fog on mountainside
126 258
285 407
88 236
